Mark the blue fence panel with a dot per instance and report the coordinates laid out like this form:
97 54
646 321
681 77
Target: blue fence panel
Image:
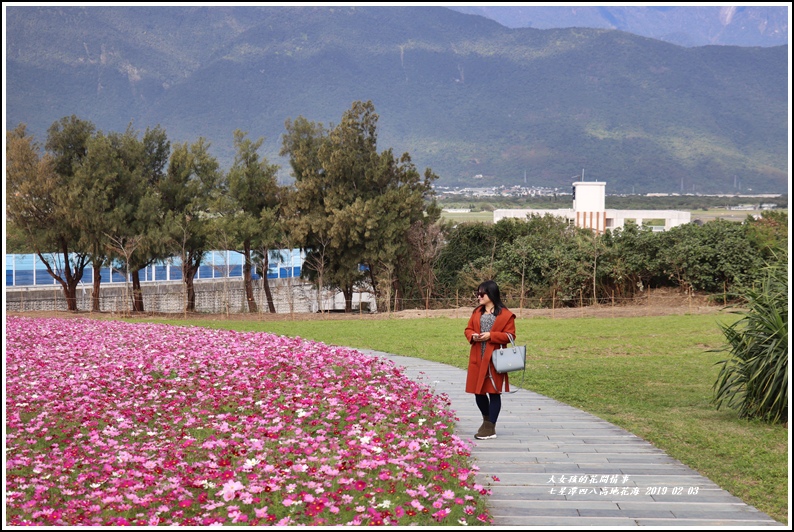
43 277
113 275
28 270
22 262
160 272
204 272
22 278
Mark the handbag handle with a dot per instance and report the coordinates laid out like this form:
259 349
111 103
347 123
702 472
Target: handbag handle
512 340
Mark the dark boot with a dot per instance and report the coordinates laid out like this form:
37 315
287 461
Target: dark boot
482 427
487 431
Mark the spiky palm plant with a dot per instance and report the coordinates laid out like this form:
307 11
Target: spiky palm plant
754 380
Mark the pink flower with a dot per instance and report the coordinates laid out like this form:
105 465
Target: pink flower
230 489
184 421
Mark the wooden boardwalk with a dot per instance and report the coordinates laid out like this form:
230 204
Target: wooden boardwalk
559 466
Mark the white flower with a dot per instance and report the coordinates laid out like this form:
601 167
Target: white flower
251 462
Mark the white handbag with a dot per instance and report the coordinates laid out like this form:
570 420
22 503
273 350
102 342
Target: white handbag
509 359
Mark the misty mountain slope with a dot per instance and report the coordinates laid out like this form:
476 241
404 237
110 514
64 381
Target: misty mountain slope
461 93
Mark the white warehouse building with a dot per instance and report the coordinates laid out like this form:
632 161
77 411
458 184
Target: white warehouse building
589 211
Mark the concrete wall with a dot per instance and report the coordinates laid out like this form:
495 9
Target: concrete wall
289 295
612 220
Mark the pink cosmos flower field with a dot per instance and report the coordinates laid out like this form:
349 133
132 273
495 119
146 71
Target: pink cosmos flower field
112 423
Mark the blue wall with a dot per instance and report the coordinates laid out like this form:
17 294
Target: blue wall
28 270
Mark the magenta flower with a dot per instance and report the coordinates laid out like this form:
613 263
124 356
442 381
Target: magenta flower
154 425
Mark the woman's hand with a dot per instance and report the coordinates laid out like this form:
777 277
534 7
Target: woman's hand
484 337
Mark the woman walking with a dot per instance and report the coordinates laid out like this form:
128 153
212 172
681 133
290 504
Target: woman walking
488 329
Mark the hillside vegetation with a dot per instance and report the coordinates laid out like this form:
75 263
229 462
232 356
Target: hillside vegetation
461 93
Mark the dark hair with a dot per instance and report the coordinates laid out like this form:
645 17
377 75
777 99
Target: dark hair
492 290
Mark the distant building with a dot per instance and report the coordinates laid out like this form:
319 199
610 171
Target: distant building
589 211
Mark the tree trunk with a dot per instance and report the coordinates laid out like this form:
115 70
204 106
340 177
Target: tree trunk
374 285
71 297
137 292
397 294
348 293
97 278
268 294
189 269
70 282
247 281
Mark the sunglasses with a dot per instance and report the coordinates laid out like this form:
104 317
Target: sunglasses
480 294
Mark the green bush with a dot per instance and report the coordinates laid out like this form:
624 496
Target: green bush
754 380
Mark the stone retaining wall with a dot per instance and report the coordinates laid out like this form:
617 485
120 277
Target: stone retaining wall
217 296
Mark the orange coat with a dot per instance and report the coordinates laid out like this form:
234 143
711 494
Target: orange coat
477 380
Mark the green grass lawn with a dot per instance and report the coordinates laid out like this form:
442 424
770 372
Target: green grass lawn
652 376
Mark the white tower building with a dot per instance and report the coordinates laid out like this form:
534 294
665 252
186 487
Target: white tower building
589 205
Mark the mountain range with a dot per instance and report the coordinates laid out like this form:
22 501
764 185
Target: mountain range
685 25
463 94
